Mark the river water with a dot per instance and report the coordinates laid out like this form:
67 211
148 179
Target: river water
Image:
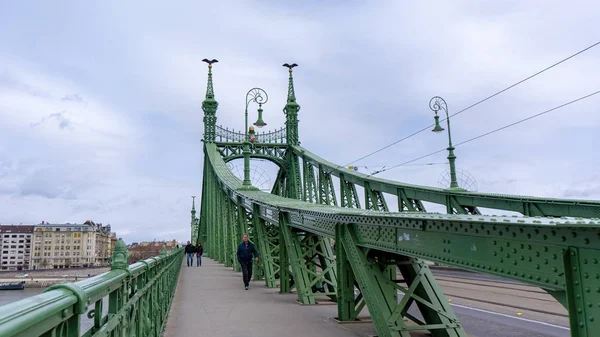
10 296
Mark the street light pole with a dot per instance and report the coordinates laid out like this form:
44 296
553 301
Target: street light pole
436 104
259 96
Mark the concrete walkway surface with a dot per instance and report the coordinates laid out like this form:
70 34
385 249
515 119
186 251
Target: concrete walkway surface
211 301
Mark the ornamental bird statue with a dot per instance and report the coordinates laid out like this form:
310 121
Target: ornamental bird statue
290 66
210 62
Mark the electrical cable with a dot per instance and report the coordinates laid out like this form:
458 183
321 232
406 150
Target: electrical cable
493 131
481 101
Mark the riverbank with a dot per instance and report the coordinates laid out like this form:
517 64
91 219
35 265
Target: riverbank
47 277
54 272
39 283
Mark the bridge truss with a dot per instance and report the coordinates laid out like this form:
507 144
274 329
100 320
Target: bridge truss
554 245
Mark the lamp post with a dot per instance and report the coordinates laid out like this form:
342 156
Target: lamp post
436 104
259 96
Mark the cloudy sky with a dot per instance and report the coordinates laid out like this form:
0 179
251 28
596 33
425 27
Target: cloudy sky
100 102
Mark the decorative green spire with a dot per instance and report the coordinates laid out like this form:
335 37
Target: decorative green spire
291 94
194 222
210 91
209 106
291 110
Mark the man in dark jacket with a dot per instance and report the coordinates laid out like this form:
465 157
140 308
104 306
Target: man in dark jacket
245 252
189 251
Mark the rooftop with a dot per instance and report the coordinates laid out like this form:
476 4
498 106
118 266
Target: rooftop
16 229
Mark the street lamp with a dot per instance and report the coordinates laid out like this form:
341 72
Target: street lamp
259 96
436 104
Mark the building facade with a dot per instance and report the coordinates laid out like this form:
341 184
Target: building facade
15 247
70 245
103 243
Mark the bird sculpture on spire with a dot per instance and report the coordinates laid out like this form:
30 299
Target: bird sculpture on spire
210 62
290 66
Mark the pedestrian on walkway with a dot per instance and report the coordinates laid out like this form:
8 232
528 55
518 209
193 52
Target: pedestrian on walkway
199 252
189 251
245 252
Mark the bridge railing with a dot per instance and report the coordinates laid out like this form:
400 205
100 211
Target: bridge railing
129 300
226 135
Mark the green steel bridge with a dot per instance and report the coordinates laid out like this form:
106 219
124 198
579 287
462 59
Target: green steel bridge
554 245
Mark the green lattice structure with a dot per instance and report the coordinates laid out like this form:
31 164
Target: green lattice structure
555 245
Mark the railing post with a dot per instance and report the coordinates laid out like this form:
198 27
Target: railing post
120 258
117 298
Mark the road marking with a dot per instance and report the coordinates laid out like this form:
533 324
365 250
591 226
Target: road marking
509 316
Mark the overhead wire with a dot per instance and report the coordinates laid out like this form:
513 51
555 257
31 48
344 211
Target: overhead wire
479 102
493 131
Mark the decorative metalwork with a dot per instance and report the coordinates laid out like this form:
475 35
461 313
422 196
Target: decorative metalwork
465 179
259 177
224 135
139 298
256 95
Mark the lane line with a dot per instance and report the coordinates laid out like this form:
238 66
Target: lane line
509 316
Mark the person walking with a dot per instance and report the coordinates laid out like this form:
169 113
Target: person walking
199 252
189 251
245 252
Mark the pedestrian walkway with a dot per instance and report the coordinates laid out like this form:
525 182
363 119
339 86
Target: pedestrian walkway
211 301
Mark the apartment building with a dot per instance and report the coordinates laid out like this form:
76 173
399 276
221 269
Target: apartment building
71 245
104 247
15 247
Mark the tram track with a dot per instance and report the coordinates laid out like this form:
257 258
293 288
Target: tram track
501 295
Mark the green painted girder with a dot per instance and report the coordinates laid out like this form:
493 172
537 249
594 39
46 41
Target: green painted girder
309 181
267 237
407 204
326 189
220 226
206 212
305 277
377 284
529 206
293 179
374 199
286 283
248 226
241 225
279 184
269 151
218 221
349 304
348 195
228 224
234 234
537 251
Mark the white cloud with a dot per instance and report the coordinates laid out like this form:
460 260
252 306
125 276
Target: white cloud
101 114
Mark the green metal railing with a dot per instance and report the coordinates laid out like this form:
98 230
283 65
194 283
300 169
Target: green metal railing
138 296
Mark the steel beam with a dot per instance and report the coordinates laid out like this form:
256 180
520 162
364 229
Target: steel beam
375 274
526 205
